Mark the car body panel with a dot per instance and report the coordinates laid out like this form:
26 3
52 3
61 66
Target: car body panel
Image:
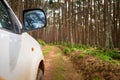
19 58
20 55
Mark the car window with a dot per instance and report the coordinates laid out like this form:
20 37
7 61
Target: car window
5 21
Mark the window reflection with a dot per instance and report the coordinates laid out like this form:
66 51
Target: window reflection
34 19
5 21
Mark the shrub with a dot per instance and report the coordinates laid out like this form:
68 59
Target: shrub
113 54
104 57
67 50
81 55
102 53
41 42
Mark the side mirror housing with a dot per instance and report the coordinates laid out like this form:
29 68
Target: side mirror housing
33 19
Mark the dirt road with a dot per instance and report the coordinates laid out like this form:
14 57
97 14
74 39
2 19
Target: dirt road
59 67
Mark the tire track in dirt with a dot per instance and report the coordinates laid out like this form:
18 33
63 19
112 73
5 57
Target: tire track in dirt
70 73
51 66
50 61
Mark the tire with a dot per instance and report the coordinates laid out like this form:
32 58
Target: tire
39 75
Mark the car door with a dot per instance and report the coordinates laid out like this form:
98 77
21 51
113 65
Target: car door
10 43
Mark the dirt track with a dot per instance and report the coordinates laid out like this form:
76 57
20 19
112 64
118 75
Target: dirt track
53 62
60 67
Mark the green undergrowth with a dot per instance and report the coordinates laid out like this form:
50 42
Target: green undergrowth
106 55
41 42
81 56
111 56
46 49
103 54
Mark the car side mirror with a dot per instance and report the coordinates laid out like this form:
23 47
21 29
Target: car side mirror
33 19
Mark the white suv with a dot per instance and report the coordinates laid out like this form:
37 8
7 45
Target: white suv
21 57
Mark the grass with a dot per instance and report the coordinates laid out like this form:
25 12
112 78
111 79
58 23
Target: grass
111 56
106 55
81 56
95 78
46 49
60 67
60 70
41 42
67 50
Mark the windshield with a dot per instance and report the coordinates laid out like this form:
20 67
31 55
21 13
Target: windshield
7 19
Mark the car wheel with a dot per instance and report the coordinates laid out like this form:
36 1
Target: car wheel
39 75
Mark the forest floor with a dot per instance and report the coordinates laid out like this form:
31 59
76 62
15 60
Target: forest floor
61 67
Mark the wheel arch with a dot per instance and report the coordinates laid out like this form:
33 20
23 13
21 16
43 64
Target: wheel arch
41 66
